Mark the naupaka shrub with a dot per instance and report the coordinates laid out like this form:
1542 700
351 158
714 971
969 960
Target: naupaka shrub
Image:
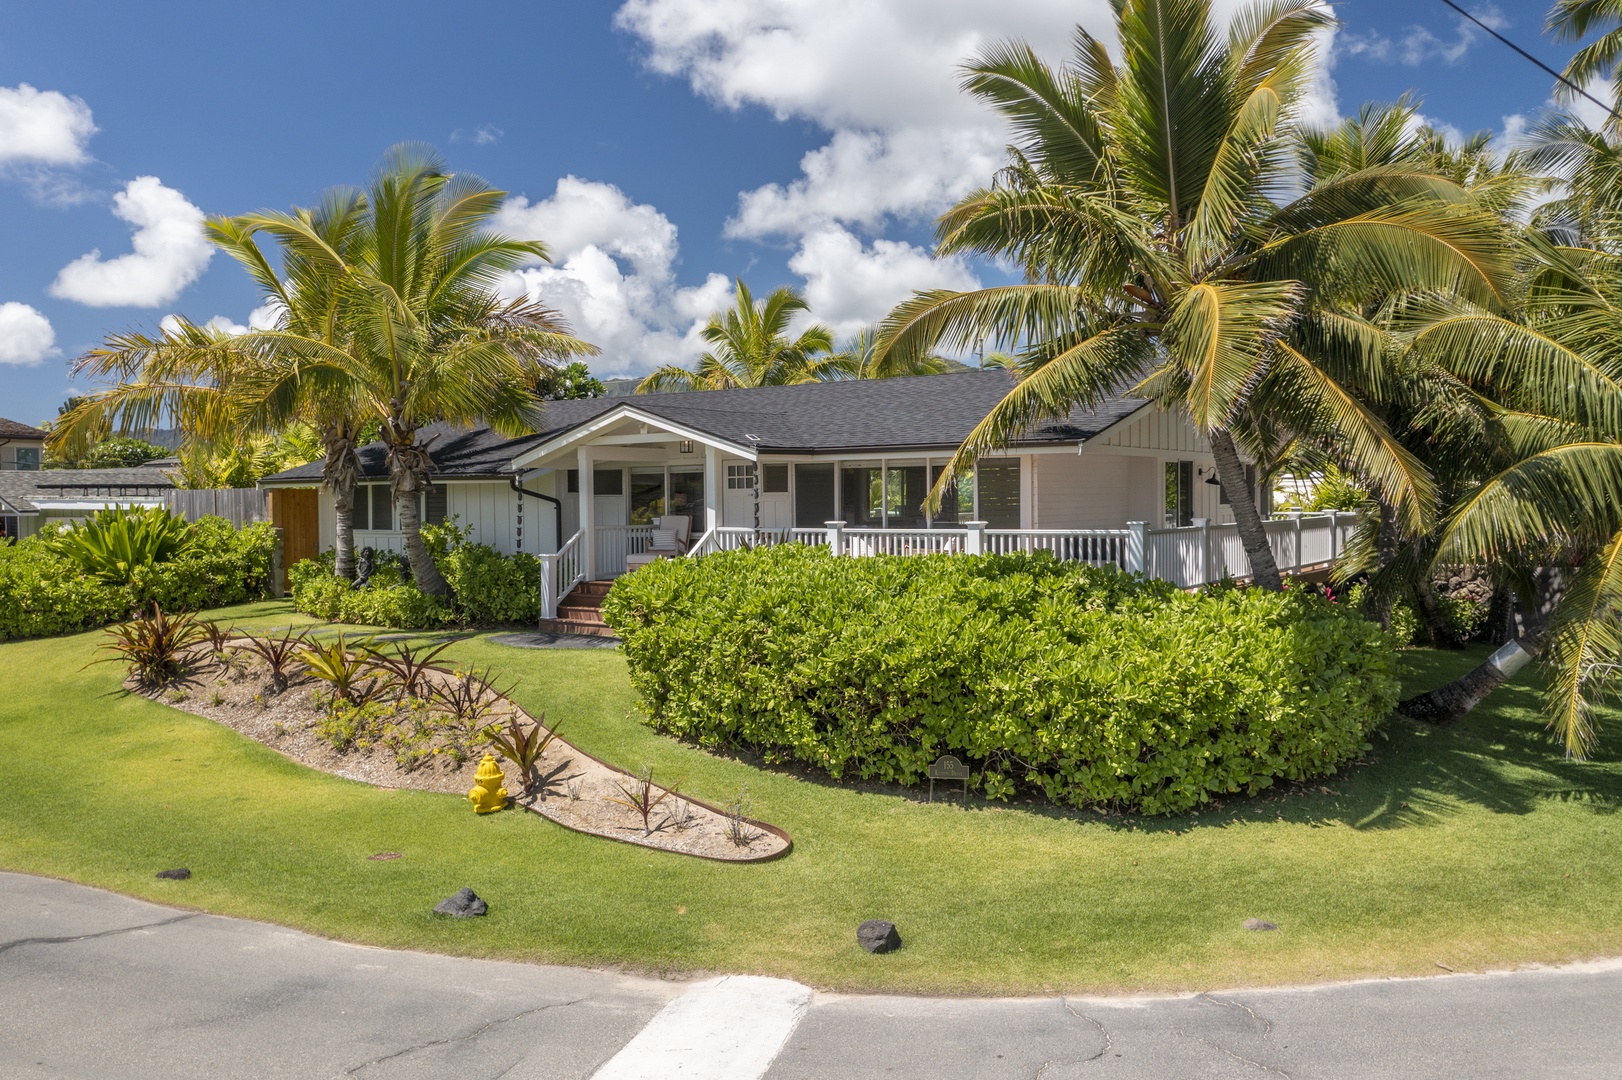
1089 687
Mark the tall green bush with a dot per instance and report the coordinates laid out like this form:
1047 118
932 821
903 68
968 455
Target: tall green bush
44 591
1086 687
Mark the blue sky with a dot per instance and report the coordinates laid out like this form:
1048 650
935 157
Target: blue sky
660 146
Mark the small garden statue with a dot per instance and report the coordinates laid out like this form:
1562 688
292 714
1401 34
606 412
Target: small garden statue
487 795
365 567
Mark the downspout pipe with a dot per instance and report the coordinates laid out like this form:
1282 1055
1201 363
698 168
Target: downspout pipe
517 484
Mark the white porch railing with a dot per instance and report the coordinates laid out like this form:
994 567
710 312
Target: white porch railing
560 573
1187 557
616 543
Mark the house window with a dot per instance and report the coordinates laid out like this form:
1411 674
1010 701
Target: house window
861 500
905 490
647 495
740 477
999 492
1179 493
27 457
10 528
774 481
813 496
607 482
573 486
687 495
374 508
435 504
957 501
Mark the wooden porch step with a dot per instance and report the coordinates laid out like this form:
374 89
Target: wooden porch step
572 626
587 613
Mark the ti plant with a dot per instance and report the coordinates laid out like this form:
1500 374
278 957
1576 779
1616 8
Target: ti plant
640 794
409 667
468 698
524 745
344 670
280 654
219 639
153 645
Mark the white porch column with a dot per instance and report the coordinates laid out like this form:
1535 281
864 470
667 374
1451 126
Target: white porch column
588 514
713 494
836 537
1204 525
975 542
1295 515
1135 557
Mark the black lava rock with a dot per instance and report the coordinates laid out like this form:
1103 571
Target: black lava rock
178 874
1260 924
878 936
464 905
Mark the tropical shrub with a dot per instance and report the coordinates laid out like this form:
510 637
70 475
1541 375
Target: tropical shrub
1086 687
487 587
115 543
45 590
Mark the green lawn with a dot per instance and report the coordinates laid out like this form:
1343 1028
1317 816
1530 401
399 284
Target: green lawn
1472 847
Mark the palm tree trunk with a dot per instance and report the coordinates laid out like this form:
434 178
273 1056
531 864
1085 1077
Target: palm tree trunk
1252 534
409 467
340 472
1452 702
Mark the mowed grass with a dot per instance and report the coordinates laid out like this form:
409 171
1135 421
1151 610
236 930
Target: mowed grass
1473 847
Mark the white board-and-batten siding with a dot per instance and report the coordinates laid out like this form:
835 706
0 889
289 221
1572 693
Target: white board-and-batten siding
490 508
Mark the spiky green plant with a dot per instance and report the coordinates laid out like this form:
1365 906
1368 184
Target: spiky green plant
113 544
524 744
345 669
153 644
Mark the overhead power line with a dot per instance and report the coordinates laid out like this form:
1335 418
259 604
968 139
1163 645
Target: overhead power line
1573 87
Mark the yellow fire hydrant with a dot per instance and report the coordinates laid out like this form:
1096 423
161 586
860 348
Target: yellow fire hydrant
487 794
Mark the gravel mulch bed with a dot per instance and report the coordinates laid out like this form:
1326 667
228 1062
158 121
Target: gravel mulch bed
574 789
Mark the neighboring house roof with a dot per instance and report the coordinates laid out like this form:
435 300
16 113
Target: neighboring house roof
926 412
11 429
27 490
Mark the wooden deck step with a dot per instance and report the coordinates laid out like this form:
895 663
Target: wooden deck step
581 612
570 626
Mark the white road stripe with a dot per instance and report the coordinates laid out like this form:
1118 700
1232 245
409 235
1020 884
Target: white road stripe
724 1029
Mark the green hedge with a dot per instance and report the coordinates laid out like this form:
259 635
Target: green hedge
1087 687
43 592
487 587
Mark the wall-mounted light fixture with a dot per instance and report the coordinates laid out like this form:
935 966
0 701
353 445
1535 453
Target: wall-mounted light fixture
685 446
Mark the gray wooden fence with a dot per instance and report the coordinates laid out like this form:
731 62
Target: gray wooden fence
239 506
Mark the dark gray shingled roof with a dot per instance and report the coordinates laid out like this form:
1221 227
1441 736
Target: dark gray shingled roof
926 412
11 429
25 489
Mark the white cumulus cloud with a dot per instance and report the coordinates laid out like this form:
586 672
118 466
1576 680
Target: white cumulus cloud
43 127
26 336
170 252
850 285
612 274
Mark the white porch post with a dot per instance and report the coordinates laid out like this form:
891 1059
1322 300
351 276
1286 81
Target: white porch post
1204 525
712 489
1295 516
588 515
836 537
1135 557
975 543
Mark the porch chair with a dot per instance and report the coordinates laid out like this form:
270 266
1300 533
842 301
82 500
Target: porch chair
671 535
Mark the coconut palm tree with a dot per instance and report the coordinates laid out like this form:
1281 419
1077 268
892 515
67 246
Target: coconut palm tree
1144 202
430 337
1555 372
750 346
388 318
859 358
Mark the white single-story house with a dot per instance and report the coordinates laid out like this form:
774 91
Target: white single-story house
863 453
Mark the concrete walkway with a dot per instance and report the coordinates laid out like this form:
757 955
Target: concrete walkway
95 985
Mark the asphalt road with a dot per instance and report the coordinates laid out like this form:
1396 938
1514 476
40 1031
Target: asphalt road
96 985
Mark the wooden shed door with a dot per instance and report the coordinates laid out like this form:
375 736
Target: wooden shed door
297 513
